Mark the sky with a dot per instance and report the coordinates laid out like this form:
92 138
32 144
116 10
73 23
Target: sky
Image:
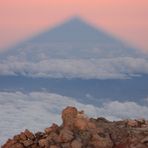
127 19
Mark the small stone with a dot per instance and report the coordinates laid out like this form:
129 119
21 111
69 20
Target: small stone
145 140
23 136
122 145
18 145
81 124
34 146
66 135
54 146
27 143
91 125
141 121
9 143
132 123
29 134
53 128
39 135
76 144
43 143
53 137
48 130
66 145
101 141
16 137
85 135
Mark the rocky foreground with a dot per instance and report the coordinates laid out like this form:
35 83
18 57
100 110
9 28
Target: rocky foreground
78 131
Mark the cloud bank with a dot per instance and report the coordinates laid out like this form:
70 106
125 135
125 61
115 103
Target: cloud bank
37 110
104 68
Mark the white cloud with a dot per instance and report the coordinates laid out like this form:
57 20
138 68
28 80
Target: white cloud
104 68
37 110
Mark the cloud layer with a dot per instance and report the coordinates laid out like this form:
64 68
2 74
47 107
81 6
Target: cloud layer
37 110
104 68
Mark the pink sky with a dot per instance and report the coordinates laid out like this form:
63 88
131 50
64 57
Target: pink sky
127 19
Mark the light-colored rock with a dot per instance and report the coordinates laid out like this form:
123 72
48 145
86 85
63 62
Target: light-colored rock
132 123
23 136
68 116
81 124
53 128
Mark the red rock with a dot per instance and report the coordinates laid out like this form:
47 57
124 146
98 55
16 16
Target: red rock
48 130
35 146
68 116
43 143
132 123
9 143
39 135
54 146
76 144
22 136
145 140
53 137
102 141
85 136
66 145
29 134
91 125
16 137
53 128
27 143
66 135
17 145
81 124
122 145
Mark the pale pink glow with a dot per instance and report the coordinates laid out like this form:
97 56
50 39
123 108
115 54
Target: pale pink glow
127 19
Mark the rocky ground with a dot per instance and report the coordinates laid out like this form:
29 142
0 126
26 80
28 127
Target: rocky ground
79 131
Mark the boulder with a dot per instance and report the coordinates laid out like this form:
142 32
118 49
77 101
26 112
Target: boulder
66 135
76 144
68 116
29 134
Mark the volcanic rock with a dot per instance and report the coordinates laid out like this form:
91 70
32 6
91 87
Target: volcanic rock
79 131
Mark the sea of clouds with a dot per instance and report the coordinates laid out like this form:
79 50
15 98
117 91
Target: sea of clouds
103 68
37 110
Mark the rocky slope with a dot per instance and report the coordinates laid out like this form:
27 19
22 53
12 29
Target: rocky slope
79 131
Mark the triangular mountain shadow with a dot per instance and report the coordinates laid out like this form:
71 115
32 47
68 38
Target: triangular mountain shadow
75 38
74 30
